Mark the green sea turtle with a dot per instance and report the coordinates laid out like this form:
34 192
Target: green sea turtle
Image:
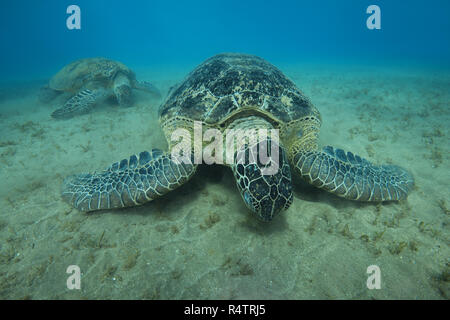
238 91
89 81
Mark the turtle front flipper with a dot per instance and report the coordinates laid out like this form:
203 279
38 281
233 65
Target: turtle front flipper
80 103
130 182
351 177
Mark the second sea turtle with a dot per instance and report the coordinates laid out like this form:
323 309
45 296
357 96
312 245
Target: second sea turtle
89 81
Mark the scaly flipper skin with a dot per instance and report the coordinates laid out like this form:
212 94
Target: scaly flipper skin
80 103
352 177
129 182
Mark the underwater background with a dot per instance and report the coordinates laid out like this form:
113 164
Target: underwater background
383 94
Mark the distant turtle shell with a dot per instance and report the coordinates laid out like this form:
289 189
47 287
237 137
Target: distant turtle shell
76 74
228 83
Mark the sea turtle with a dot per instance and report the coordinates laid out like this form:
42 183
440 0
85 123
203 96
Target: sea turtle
89 81
239 91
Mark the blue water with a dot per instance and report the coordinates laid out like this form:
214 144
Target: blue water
35 40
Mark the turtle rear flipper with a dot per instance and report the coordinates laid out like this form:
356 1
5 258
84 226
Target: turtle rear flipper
80 103
129 182
351 177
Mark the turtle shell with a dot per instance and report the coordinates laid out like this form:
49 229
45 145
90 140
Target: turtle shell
76 74
230 85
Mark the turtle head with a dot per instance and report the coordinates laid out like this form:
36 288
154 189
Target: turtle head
122 90
263 178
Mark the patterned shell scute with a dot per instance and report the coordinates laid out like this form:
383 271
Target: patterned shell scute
228 82
74 75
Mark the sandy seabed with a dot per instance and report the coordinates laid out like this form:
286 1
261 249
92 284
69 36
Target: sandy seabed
200 241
